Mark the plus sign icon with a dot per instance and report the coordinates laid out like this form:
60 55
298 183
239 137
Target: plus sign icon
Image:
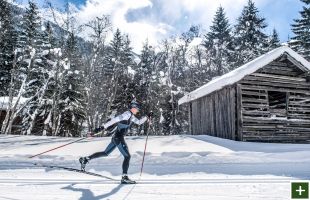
300 190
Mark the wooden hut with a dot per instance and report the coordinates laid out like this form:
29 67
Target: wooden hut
267 100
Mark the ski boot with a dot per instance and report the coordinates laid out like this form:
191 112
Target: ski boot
83 161
126 180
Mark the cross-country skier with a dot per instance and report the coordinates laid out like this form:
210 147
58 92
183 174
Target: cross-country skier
122 123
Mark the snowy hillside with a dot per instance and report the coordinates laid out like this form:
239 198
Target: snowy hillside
176 167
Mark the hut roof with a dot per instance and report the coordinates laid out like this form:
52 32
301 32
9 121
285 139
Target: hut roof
239 73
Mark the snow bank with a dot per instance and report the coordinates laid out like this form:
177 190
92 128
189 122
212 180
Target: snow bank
165 151
176 167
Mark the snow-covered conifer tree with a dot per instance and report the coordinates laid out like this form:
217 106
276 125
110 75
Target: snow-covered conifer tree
273 40
7 46
218 43
301 29
249 37
72 91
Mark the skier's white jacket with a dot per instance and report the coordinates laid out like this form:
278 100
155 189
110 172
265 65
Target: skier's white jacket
124 121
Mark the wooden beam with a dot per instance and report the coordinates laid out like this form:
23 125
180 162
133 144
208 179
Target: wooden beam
276 77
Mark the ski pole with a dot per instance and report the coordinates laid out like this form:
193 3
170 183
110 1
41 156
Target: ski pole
62 146
147 136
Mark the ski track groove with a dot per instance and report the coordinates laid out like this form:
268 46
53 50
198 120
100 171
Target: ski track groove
147 181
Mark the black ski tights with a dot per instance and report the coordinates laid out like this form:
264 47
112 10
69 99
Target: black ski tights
120 143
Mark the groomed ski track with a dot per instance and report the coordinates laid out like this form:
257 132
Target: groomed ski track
176 167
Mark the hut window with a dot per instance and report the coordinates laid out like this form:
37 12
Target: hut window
277 103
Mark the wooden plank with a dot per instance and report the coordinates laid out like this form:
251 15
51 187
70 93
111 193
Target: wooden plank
263 120
190 118
276 77
195 117
279 72
274 68
234 113
212 115
255 80
201 120
254 100
255 112
262 127
277 139
278 135
299 109
252 105
252 93
219 124
276 128
276 132
239 112
300 99
298 116
223 112
297 105
277 63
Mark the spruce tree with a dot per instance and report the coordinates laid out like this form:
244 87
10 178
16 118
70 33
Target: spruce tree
32 48
250 41
273 40
50 57
114 71
30 35
7 46
29 45
145 79
144 71
124 91
301 29
218 43
39 74
72 92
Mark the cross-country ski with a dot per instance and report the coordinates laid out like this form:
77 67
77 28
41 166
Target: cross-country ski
73 170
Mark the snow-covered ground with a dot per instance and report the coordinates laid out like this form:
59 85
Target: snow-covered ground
176 167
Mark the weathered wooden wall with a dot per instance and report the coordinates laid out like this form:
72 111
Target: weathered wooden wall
259 120
215 114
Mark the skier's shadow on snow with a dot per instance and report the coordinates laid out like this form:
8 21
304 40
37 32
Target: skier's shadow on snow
87 194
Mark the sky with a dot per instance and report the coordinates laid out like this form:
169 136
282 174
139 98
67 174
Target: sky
160 19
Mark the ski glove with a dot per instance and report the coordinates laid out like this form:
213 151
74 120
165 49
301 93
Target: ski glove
90 134
97 130
151 114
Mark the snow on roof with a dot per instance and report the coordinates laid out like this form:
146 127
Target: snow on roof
239 73
4 102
